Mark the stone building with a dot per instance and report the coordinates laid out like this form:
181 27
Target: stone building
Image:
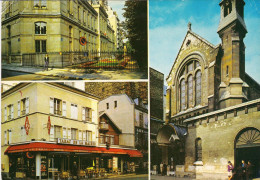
42 26
156 113
213 104
132 89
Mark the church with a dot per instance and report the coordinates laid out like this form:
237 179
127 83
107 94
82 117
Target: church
212 104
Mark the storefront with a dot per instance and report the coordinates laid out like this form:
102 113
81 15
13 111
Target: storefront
48 160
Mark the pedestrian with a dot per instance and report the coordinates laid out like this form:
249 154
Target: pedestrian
243 166
46 60
125 167
161 168
250 171
230 170
164 169
75 170
11 170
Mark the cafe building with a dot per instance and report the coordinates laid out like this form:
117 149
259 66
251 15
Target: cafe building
49 127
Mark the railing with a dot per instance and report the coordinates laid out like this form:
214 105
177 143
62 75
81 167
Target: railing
83 60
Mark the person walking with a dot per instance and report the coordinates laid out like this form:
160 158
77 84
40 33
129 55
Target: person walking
75 170
11 170
243 166
161 168
250 171
164 169
230 170
46 60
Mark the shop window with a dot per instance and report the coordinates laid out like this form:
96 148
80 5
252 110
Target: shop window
40 4
73 133
40 28
40 45
57 131
86 114
198 147
74 111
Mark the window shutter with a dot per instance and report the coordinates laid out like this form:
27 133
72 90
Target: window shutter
64 108
5 137
27 105
84 135
5 113
92 115
83 114
64 133
19 108
51 105
76 111
80 135
12 111
52 133
69 133
10 136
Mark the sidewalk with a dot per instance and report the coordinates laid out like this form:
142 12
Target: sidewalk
159 177
76 74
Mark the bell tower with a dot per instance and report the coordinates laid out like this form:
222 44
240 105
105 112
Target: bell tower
232 30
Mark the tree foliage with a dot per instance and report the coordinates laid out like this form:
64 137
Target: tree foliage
136 24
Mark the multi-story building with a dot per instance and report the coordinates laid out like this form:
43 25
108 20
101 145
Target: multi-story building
130 117
53 26
46 127
213 105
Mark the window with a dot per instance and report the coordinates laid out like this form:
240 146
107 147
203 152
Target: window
190 91
5 137
86 114
40 28
64 133
89 135
107 105
39 4
112 139
115 104
183 89
74 111
227 7
57 106
73 133
102 139
9 31
57 131
189 82
198 88
198 147
23 107
10 112
40 45
227 72
141 119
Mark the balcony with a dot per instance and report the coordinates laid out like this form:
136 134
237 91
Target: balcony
103 127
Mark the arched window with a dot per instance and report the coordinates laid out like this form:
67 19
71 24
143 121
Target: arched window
183 97
190 91
198 88
40 28
193 81
198 148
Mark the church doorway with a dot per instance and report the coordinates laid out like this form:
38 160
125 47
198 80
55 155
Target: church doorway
247 148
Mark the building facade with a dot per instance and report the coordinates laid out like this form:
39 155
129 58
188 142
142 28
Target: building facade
212 103
54 26
47 127
121 109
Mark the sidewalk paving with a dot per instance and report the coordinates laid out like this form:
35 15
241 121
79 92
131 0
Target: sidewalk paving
159 177
77 74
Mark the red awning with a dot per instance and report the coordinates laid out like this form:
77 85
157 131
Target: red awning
69 148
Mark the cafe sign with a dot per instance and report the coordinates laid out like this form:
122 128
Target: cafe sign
76 142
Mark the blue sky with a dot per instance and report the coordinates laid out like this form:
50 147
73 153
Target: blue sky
168 21
118 5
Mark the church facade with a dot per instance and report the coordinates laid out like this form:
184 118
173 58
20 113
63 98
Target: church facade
213 105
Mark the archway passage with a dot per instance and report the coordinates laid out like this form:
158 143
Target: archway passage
247 148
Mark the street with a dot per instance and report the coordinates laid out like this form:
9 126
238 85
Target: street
134 177
159 177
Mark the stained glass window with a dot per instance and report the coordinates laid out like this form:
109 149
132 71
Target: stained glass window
190 67
190 91
183 89
198 88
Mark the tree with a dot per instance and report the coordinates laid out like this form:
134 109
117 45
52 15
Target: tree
136 24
